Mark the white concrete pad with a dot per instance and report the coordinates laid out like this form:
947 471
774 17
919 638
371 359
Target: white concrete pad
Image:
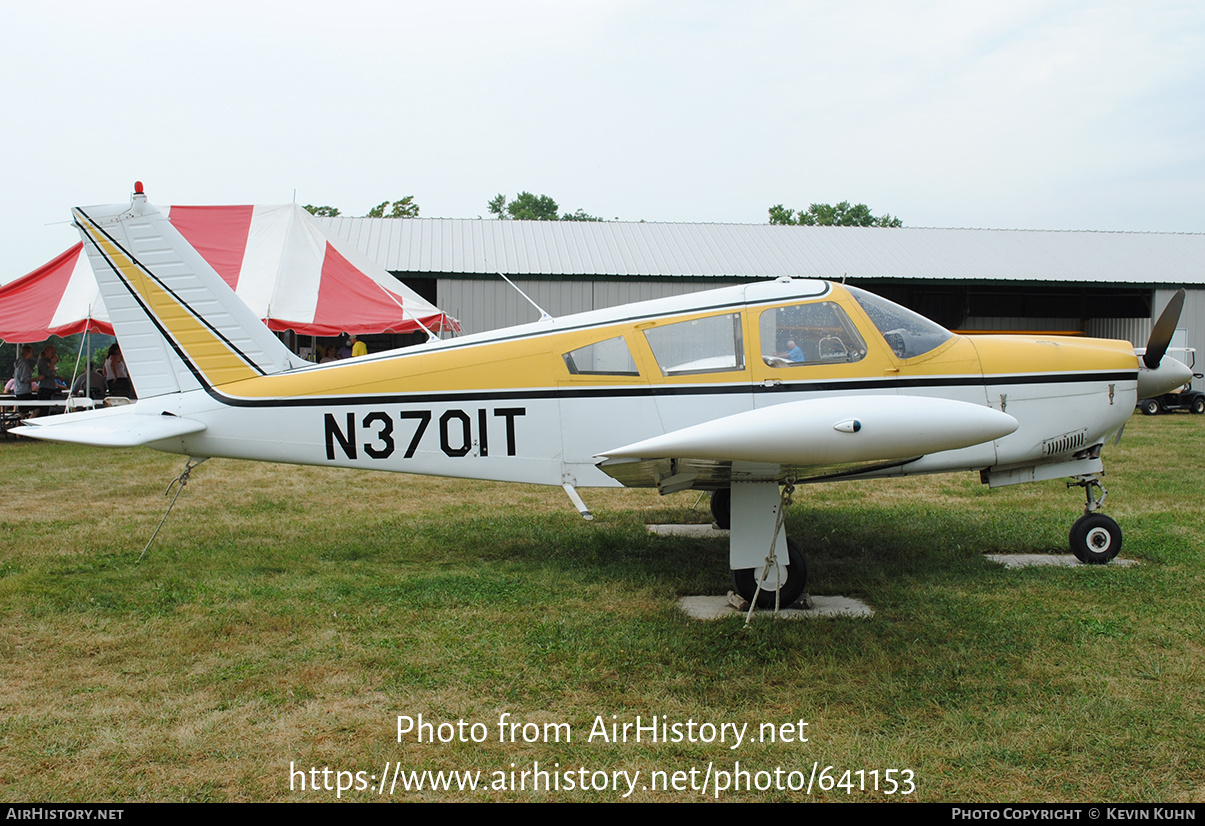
1060 560
704 531
711 608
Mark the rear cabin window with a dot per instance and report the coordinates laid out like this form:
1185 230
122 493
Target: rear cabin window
604 358
703 345
817 333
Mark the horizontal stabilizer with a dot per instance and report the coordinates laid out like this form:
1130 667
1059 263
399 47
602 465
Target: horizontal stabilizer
130 430
831 431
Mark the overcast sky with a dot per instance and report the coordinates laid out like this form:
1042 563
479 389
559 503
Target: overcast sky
1031 115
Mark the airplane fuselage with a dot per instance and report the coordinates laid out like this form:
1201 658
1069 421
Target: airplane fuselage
543 402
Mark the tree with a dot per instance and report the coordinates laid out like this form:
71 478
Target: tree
580 215
321 211
404 208
829 215
525 207
528 207
780 215
497 205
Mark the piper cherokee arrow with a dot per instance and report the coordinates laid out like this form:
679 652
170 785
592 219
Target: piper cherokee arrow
742 391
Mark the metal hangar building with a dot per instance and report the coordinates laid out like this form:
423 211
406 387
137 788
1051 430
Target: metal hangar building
1104 284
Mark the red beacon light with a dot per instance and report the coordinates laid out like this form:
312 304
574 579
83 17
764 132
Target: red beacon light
138 188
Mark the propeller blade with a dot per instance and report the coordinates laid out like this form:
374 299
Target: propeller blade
1161 334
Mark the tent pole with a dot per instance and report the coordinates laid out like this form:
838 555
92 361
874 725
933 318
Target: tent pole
83 344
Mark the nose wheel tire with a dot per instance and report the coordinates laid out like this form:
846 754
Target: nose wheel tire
795 576
1095 539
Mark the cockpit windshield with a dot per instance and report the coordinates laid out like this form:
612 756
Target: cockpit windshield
909 334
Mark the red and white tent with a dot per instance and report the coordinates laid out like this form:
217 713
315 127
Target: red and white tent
57 299
275 258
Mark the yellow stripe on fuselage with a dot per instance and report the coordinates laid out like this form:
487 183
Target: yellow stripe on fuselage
212 356
523 363
534 361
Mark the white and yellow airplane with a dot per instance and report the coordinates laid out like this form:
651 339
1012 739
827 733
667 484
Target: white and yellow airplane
738 391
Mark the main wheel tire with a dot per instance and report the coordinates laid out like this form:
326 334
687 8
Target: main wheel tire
721 507
1095 539
1150 407
1198 406
744 580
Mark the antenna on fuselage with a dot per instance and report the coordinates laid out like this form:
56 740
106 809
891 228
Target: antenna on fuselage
405 312
543 313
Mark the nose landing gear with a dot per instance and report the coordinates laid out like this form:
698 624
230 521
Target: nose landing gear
1095 538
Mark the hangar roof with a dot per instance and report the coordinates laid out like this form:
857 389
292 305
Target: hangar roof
617 248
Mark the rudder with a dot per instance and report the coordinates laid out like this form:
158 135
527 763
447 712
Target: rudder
180 326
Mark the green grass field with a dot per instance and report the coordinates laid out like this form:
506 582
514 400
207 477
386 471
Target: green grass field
290 615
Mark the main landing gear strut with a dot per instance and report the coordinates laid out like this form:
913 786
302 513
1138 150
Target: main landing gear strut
753 513
1095 538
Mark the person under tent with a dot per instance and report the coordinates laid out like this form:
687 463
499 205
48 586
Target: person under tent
23 372
89 383
117 377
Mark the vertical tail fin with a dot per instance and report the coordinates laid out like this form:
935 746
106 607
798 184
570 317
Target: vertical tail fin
181 328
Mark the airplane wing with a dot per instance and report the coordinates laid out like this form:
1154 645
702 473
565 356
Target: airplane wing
811 438
100 430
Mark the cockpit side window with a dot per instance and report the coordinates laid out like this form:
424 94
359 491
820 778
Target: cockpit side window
702 345
603 358
909 334
816 333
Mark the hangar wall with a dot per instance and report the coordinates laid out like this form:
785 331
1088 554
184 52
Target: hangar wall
1190 332
1094 283
1018 324
1192 322
487 304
